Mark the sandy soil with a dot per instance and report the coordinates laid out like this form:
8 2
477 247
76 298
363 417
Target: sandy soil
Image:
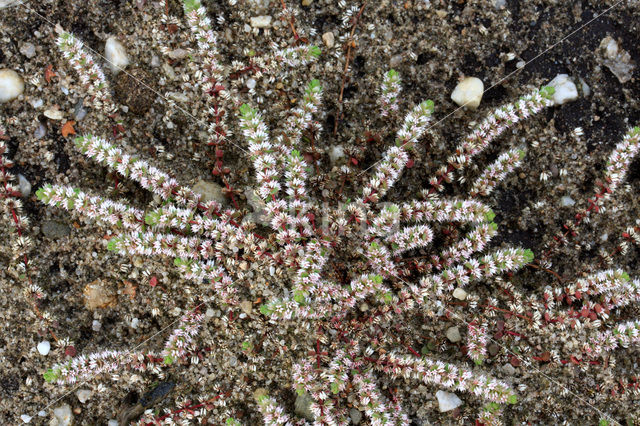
431 44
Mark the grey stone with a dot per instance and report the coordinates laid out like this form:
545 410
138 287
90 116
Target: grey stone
447 401
303 407
54 230
62 416
210 191
356 416
453 334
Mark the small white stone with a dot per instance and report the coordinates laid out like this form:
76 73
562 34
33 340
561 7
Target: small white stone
468 92
178 97
54 113
112 423
28 50
565 89
567 201
36 103
116 55
44 347
135 323
499 4
459 294
62 416
24 186
11 85
329 39
447 401
25 418
453 334
604 237
209 313
96 325
83 395
263 21
251 84
336 153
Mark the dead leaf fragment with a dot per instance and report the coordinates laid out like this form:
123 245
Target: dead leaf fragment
67 128
49 73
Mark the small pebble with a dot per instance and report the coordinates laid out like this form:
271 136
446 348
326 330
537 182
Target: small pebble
509 369
54 113
447 401
459 294
246 306
565 89
567 201
11 85
96 325
28 50
210 191
25 418
7 3
356 416
329 39
616 59
62 416
178 97
453 334
36 103
468 92
178 54
263 21
79 112
251 84
44 347
336 153
24 186
135 323
116 55
83 395
40 132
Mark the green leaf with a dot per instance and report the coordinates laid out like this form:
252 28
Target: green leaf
603 422
315 51
335 388
246 111
168 360
314 86
151 218
392 74
547 91
191 5
300 297
111 245
51 375
265 310
490 215
40 194
528 255
512 399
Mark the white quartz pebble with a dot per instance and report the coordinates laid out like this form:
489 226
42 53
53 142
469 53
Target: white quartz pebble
116 54
11 85
468 92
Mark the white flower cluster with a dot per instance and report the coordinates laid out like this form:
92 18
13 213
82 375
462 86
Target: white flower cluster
493 126
497 172
621 157
181 339
477 342
447 375
395 159
91 75
389 93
